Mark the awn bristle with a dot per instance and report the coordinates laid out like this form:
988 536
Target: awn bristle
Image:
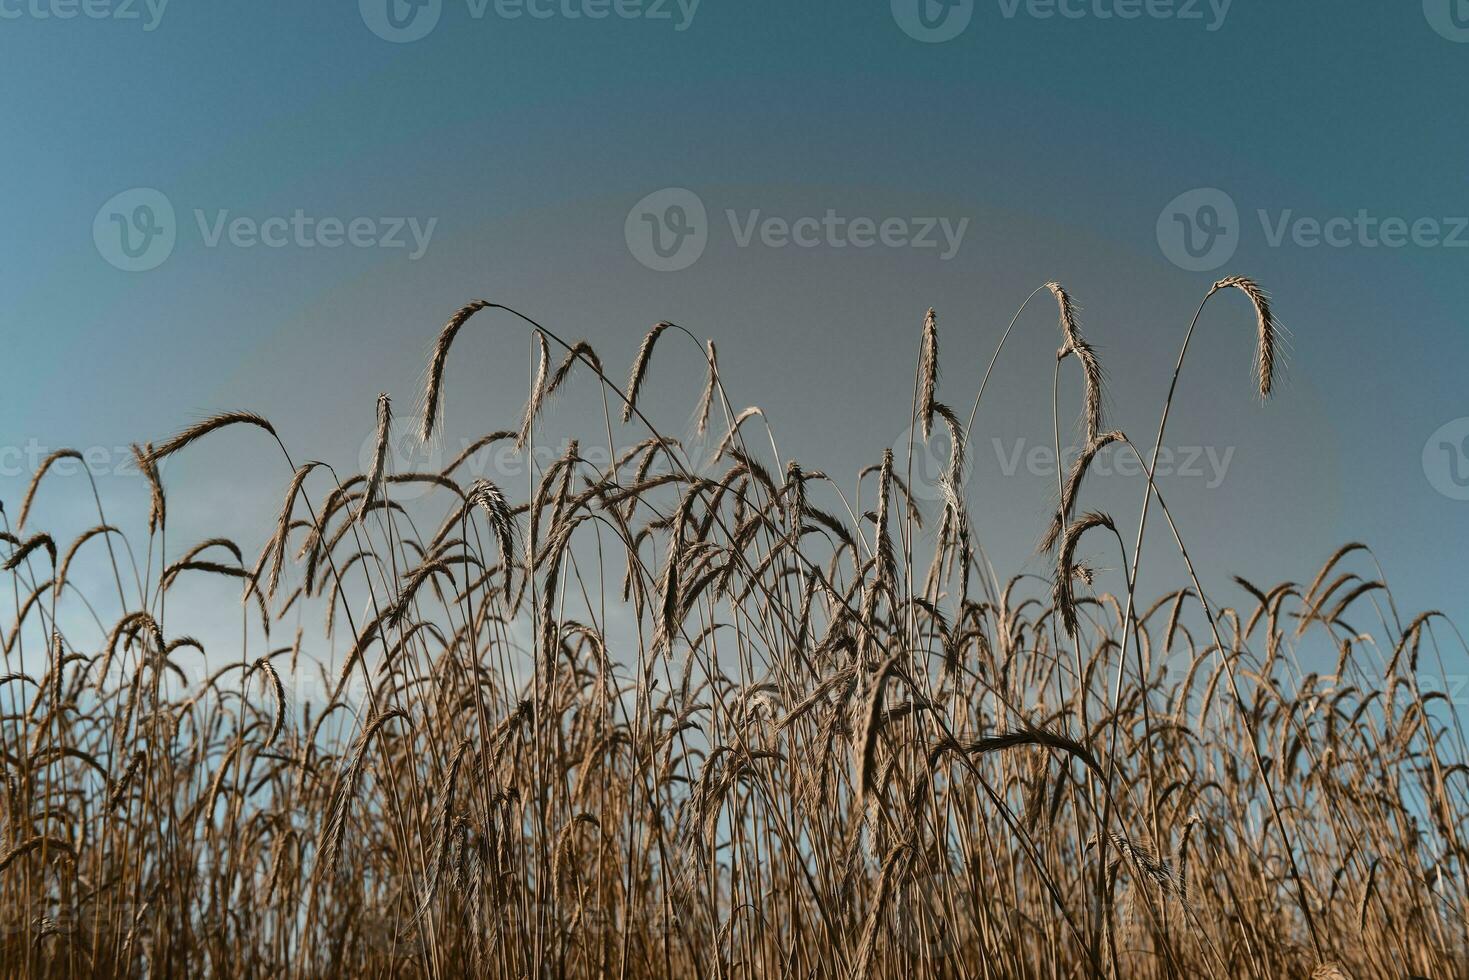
277 547
489 499
42 540
954 474
1072 487
885 560
1266 327
1064 600
1018 739
871 726
580 351
640 368
1091 368
433 390
706 399
157 508
41 470
537 393
278 691
379 457
212 424
929 372
120 789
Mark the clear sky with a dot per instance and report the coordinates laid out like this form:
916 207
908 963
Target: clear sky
907 168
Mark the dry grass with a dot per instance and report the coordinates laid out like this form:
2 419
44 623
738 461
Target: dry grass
671 717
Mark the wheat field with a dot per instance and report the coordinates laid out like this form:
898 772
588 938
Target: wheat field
654 712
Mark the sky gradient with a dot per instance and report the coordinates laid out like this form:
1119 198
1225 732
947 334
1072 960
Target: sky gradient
522 140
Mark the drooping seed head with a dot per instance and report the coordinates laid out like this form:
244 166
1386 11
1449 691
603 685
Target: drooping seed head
1265 325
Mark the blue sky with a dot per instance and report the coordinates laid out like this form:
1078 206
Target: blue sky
523 143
